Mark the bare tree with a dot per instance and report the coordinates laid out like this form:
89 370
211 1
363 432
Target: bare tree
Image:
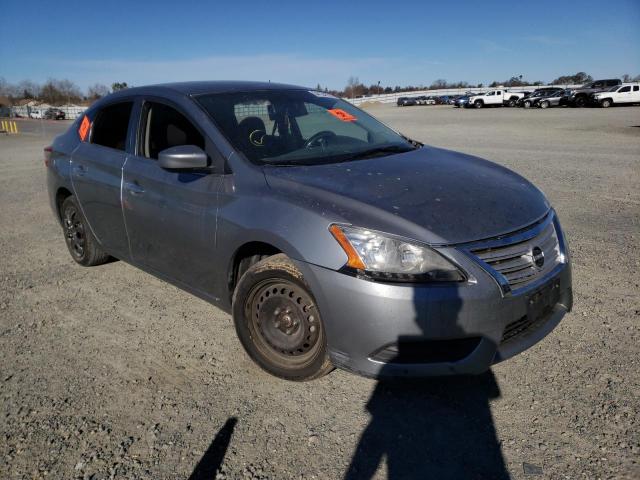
96 91
439 84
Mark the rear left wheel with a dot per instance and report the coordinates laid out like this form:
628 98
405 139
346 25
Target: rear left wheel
278 322
82 245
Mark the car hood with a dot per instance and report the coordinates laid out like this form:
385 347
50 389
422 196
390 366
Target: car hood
430 194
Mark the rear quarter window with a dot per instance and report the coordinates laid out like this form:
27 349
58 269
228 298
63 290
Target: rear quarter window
111 125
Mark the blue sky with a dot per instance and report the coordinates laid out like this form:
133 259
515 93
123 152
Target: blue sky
326 42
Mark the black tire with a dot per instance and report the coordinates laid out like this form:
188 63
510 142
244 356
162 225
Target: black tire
278 322
544 104
82 245
512 102
580 101
606 103
526 104
478 104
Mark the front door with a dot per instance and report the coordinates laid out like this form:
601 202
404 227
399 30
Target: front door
96 175
170 215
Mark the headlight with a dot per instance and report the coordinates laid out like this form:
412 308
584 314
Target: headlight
384 257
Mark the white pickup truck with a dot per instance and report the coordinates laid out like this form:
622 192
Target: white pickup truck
499 96
625 93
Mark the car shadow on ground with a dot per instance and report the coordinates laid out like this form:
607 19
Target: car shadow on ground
432 428
208 465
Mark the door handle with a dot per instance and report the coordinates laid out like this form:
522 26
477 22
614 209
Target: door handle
80 170
134 188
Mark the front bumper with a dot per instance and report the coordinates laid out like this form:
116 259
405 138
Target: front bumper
387 330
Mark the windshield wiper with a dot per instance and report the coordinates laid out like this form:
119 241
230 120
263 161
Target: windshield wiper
381 151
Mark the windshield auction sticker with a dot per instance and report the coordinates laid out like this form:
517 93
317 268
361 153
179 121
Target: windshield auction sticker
342 115
83 131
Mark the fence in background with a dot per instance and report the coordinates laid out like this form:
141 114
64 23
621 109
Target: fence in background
393 97
71 111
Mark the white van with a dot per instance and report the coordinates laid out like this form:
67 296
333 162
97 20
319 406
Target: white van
625 93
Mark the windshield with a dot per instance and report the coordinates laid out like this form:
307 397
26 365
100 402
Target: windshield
299 127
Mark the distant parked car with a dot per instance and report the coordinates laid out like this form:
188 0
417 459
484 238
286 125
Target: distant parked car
406 102
549 100
528 100
54 114
627 93
580 97
462 101
499 96
36 114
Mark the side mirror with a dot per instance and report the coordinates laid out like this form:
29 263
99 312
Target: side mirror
183 157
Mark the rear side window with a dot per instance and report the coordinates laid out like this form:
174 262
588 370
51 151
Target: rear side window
165 127
111 124
636 88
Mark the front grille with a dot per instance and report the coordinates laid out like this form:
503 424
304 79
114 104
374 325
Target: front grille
524 262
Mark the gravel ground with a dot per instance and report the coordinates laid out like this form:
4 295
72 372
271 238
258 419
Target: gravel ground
108 372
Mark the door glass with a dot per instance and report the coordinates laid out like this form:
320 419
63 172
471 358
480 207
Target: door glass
636 88
624 90
111 124
165 127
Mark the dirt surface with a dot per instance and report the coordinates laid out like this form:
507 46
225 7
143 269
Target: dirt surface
108 372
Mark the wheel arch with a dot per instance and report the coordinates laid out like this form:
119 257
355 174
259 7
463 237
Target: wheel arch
255 250
61 195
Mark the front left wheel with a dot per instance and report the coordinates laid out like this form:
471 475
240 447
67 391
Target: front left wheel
278 322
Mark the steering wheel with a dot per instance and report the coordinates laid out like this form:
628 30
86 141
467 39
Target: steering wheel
319 139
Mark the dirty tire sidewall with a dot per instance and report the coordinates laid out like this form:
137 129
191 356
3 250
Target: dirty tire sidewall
272 269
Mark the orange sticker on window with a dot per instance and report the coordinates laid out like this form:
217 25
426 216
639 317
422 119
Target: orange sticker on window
342 115
83 131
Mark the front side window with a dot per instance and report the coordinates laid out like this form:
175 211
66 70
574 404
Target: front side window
111 125
164 127
299 127
624 90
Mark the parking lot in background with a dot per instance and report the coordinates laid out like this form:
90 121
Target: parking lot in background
108 371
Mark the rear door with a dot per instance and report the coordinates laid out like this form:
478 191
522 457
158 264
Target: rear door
635 93
96 174
170 215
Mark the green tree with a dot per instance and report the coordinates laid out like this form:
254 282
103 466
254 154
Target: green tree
119 86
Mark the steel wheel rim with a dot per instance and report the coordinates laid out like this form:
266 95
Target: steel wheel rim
284 322
74 232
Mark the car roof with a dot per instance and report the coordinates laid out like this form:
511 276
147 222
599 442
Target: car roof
203 87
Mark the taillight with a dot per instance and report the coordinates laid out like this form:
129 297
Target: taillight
47 155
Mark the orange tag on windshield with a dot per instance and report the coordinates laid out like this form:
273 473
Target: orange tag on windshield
83 131
342 115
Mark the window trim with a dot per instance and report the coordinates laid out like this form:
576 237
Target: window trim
98 111
217 162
